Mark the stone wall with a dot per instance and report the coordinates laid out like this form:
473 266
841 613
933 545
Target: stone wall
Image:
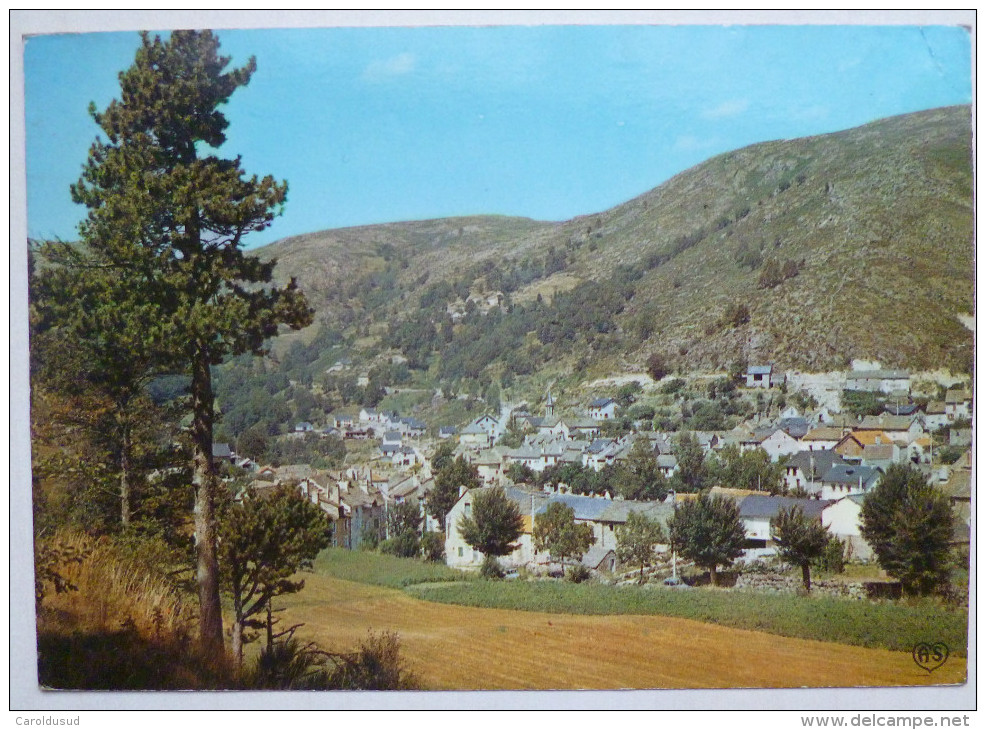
791 584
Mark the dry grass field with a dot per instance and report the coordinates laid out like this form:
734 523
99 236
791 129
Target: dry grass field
462 648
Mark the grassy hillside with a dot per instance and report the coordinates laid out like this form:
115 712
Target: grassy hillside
850 245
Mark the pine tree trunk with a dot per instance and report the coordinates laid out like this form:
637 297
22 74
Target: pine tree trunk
806 576
204 478
237 642
713 576
125 476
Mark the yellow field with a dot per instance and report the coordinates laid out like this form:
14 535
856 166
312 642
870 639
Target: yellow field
463 648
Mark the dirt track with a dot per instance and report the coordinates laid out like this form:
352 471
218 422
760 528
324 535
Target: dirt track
457 647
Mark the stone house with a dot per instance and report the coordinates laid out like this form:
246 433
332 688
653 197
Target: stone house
602 409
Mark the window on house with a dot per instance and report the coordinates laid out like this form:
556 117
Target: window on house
468 508
460 552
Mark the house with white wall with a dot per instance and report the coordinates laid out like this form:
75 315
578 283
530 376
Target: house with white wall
756 512
601 513
843 519
843 480
602 409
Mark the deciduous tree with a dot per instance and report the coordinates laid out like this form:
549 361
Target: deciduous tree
556 531
692 473
708 531
908 522
800 540
751 469
638 476
403 524
443 496
636 539
494 524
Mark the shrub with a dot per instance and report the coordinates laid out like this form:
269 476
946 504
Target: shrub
491 569
951 454
735 315
433 547
404 545
290 665
369 538
672 386
578 573
657 366
377 664
833 557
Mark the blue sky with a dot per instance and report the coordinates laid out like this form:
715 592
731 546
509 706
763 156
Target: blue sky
370 125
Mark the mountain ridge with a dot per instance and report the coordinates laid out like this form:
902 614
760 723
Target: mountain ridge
854 244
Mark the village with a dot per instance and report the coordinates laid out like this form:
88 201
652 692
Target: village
830 461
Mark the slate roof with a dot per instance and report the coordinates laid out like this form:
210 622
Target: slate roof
888 423
878 452
770 506
902 409
221 451
595 555
957 396
474 428
823 460
870 437
959 485
580 423
601 402
795 427
849 474
489 456
599 445
596 509
823 433
403 489
759 369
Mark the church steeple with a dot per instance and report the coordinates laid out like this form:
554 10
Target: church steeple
549 406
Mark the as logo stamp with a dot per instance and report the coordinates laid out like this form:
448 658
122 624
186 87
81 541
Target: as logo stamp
930 656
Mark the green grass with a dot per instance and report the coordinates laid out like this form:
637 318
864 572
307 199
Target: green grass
364 566
895 626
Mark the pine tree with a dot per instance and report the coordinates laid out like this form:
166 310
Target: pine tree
265 541
87 349
800 540
169 218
